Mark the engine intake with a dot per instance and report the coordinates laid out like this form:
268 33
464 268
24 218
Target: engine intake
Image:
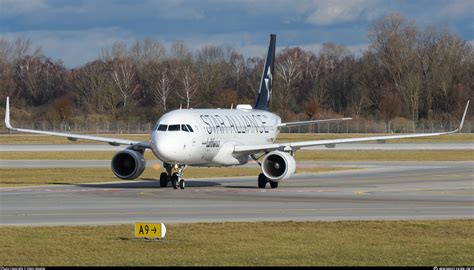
278 165
128 164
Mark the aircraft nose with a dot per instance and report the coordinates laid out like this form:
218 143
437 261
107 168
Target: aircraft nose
166 147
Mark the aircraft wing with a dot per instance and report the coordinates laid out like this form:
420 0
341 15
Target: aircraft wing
293 146
300 123
70 136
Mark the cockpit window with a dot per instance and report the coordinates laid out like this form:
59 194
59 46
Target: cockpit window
162 127
174 127
184 128
190 128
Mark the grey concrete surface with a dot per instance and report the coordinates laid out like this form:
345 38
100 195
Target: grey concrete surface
384 190
349 146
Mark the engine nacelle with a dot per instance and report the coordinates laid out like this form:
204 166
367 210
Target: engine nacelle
128 164
278 165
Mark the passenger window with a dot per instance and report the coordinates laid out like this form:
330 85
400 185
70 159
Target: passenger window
173 128
184 128
162 127
190 128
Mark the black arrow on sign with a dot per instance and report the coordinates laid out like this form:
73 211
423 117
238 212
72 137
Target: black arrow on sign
154 229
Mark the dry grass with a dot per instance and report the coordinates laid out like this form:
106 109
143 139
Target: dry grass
340 155
387 155
283 137
63 176
353 243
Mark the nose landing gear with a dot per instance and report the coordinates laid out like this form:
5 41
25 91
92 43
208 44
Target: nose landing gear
176 178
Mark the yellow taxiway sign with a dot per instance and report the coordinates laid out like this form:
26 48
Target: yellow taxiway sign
150 230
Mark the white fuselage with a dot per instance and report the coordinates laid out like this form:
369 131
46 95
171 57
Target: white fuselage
213 134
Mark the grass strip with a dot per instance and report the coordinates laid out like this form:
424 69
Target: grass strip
340 155
387 155
353 243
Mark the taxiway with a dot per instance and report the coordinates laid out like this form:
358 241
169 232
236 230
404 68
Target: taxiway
383 190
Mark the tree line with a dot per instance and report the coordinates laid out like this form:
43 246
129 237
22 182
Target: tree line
407 71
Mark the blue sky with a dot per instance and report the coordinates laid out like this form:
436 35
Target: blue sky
75 31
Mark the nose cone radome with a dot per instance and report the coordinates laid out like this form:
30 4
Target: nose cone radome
168 148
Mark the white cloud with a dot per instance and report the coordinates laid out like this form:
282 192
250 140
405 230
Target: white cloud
74 48
340 11
458 9
10 8
176 9
253 50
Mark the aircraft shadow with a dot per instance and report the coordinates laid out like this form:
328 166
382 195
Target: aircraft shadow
147 183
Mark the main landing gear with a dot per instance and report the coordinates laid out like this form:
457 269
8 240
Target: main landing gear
263 180
175 178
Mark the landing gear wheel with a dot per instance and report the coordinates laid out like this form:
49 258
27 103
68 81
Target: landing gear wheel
273 184
164 179
181 184
262 180
174 180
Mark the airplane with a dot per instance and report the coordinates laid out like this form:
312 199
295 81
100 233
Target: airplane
219 137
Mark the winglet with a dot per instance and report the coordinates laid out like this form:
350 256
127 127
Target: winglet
7 114
463 116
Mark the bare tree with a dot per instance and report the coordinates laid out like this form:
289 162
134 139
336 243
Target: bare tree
389 107
210 63
92 85
180 51
23 48
189 87
237 63
394 41
123 74
253 71
7 83
289 70
147 50
28 76
162 85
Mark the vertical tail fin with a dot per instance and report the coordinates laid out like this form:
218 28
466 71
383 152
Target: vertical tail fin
265 90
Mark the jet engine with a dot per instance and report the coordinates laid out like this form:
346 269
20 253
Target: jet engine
128 164
278 165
